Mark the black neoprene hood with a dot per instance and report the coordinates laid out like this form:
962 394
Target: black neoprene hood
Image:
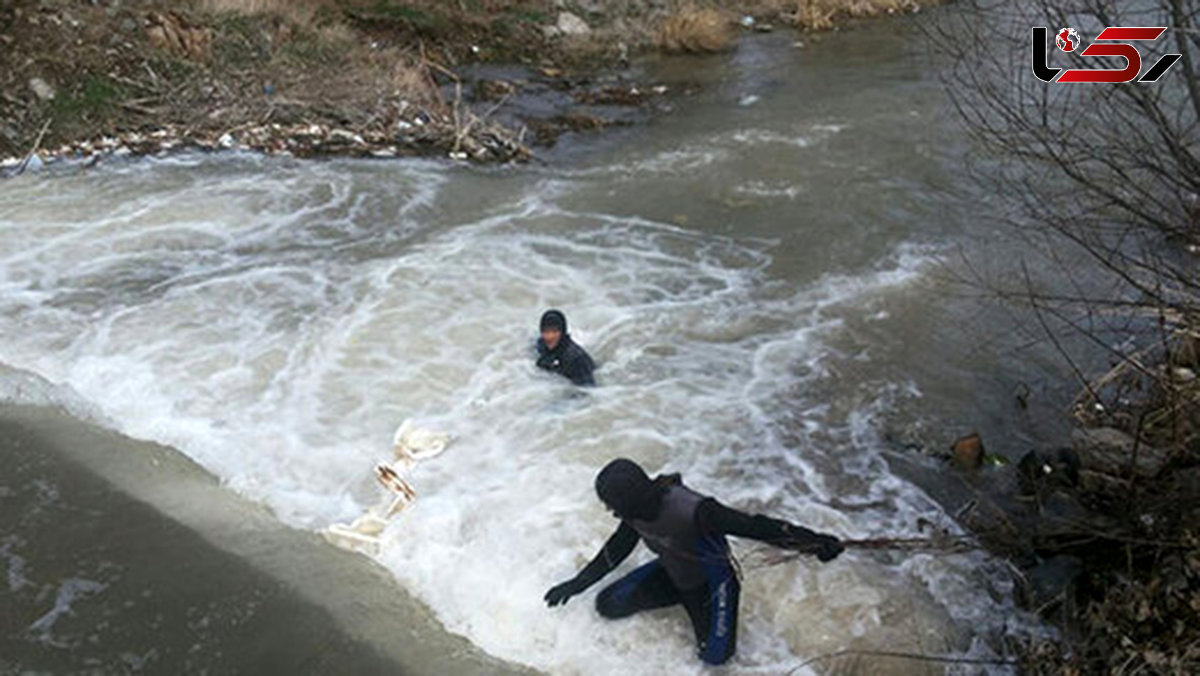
624 486
553 319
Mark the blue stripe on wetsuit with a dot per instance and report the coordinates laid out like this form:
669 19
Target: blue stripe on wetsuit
722 581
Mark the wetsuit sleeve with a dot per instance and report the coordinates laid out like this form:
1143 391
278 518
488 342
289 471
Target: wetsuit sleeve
713 517
618 547
579 368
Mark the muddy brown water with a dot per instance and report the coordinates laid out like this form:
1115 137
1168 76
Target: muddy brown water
759 274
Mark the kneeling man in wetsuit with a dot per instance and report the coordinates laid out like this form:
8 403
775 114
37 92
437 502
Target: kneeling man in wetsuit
694 568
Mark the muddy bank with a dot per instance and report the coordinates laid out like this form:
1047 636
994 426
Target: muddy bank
169 572
361 79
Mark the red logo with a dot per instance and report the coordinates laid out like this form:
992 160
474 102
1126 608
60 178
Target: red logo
1115 41
1067 39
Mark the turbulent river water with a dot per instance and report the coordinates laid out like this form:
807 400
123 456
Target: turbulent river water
756 274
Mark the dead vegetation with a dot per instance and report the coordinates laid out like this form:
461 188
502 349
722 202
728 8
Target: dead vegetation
140 78
298 12
89 73
696 29
820 15
175 34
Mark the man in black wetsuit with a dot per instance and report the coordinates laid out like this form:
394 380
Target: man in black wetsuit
694 568
557 353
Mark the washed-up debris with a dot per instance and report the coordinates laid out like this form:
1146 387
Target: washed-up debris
300 140
41 89
134 102
410 445
967 452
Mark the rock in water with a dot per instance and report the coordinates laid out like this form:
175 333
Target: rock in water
1107 450
571 25
967 452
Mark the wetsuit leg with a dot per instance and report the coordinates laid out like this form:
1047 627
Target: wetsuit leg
713 607
713 610
646 588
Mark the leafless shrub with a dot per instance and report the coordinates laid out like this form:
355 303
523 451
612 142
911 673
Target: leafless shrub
696 29
1106 185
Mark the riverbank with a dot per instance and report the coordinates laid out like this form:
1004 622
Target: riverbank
167 571
361 79
1103 532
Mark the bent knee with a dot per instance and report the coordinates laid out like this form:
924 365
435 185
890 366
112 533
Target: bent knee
608 605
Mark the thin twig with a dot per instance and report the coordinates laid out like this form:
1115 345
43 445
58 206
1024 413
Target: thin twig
942 659
36 145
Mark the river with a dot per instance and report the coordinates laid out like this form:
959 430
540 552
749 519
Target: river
759 275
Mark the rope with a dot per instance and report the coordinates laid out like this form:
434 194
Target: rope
774 556
944 544
942 659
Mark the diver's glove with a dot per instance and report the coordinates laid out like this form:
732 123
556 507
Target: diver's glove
559 593
825 547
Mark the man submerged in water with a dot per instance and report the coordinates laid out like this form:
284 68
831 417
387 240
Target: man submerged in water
557 353
694 567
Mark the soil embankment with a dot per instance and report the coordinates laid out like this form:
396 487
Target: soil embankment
345 77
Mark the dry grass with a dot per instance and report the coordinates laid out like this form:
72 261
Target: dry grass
696 29
300 12
823 14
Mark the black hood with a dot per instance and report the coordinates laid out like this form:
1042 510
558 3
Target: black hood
624 486
553 319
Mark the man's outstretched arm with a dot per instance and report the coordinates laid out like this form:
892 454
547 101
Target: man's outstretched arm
714 517
618 547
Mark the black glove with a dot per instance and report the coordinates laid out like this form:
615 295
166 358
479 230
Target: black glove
825 547
828 548
559 593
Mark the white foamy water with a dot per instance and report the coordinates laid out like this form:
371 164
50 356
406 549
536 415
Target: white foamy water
275 321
